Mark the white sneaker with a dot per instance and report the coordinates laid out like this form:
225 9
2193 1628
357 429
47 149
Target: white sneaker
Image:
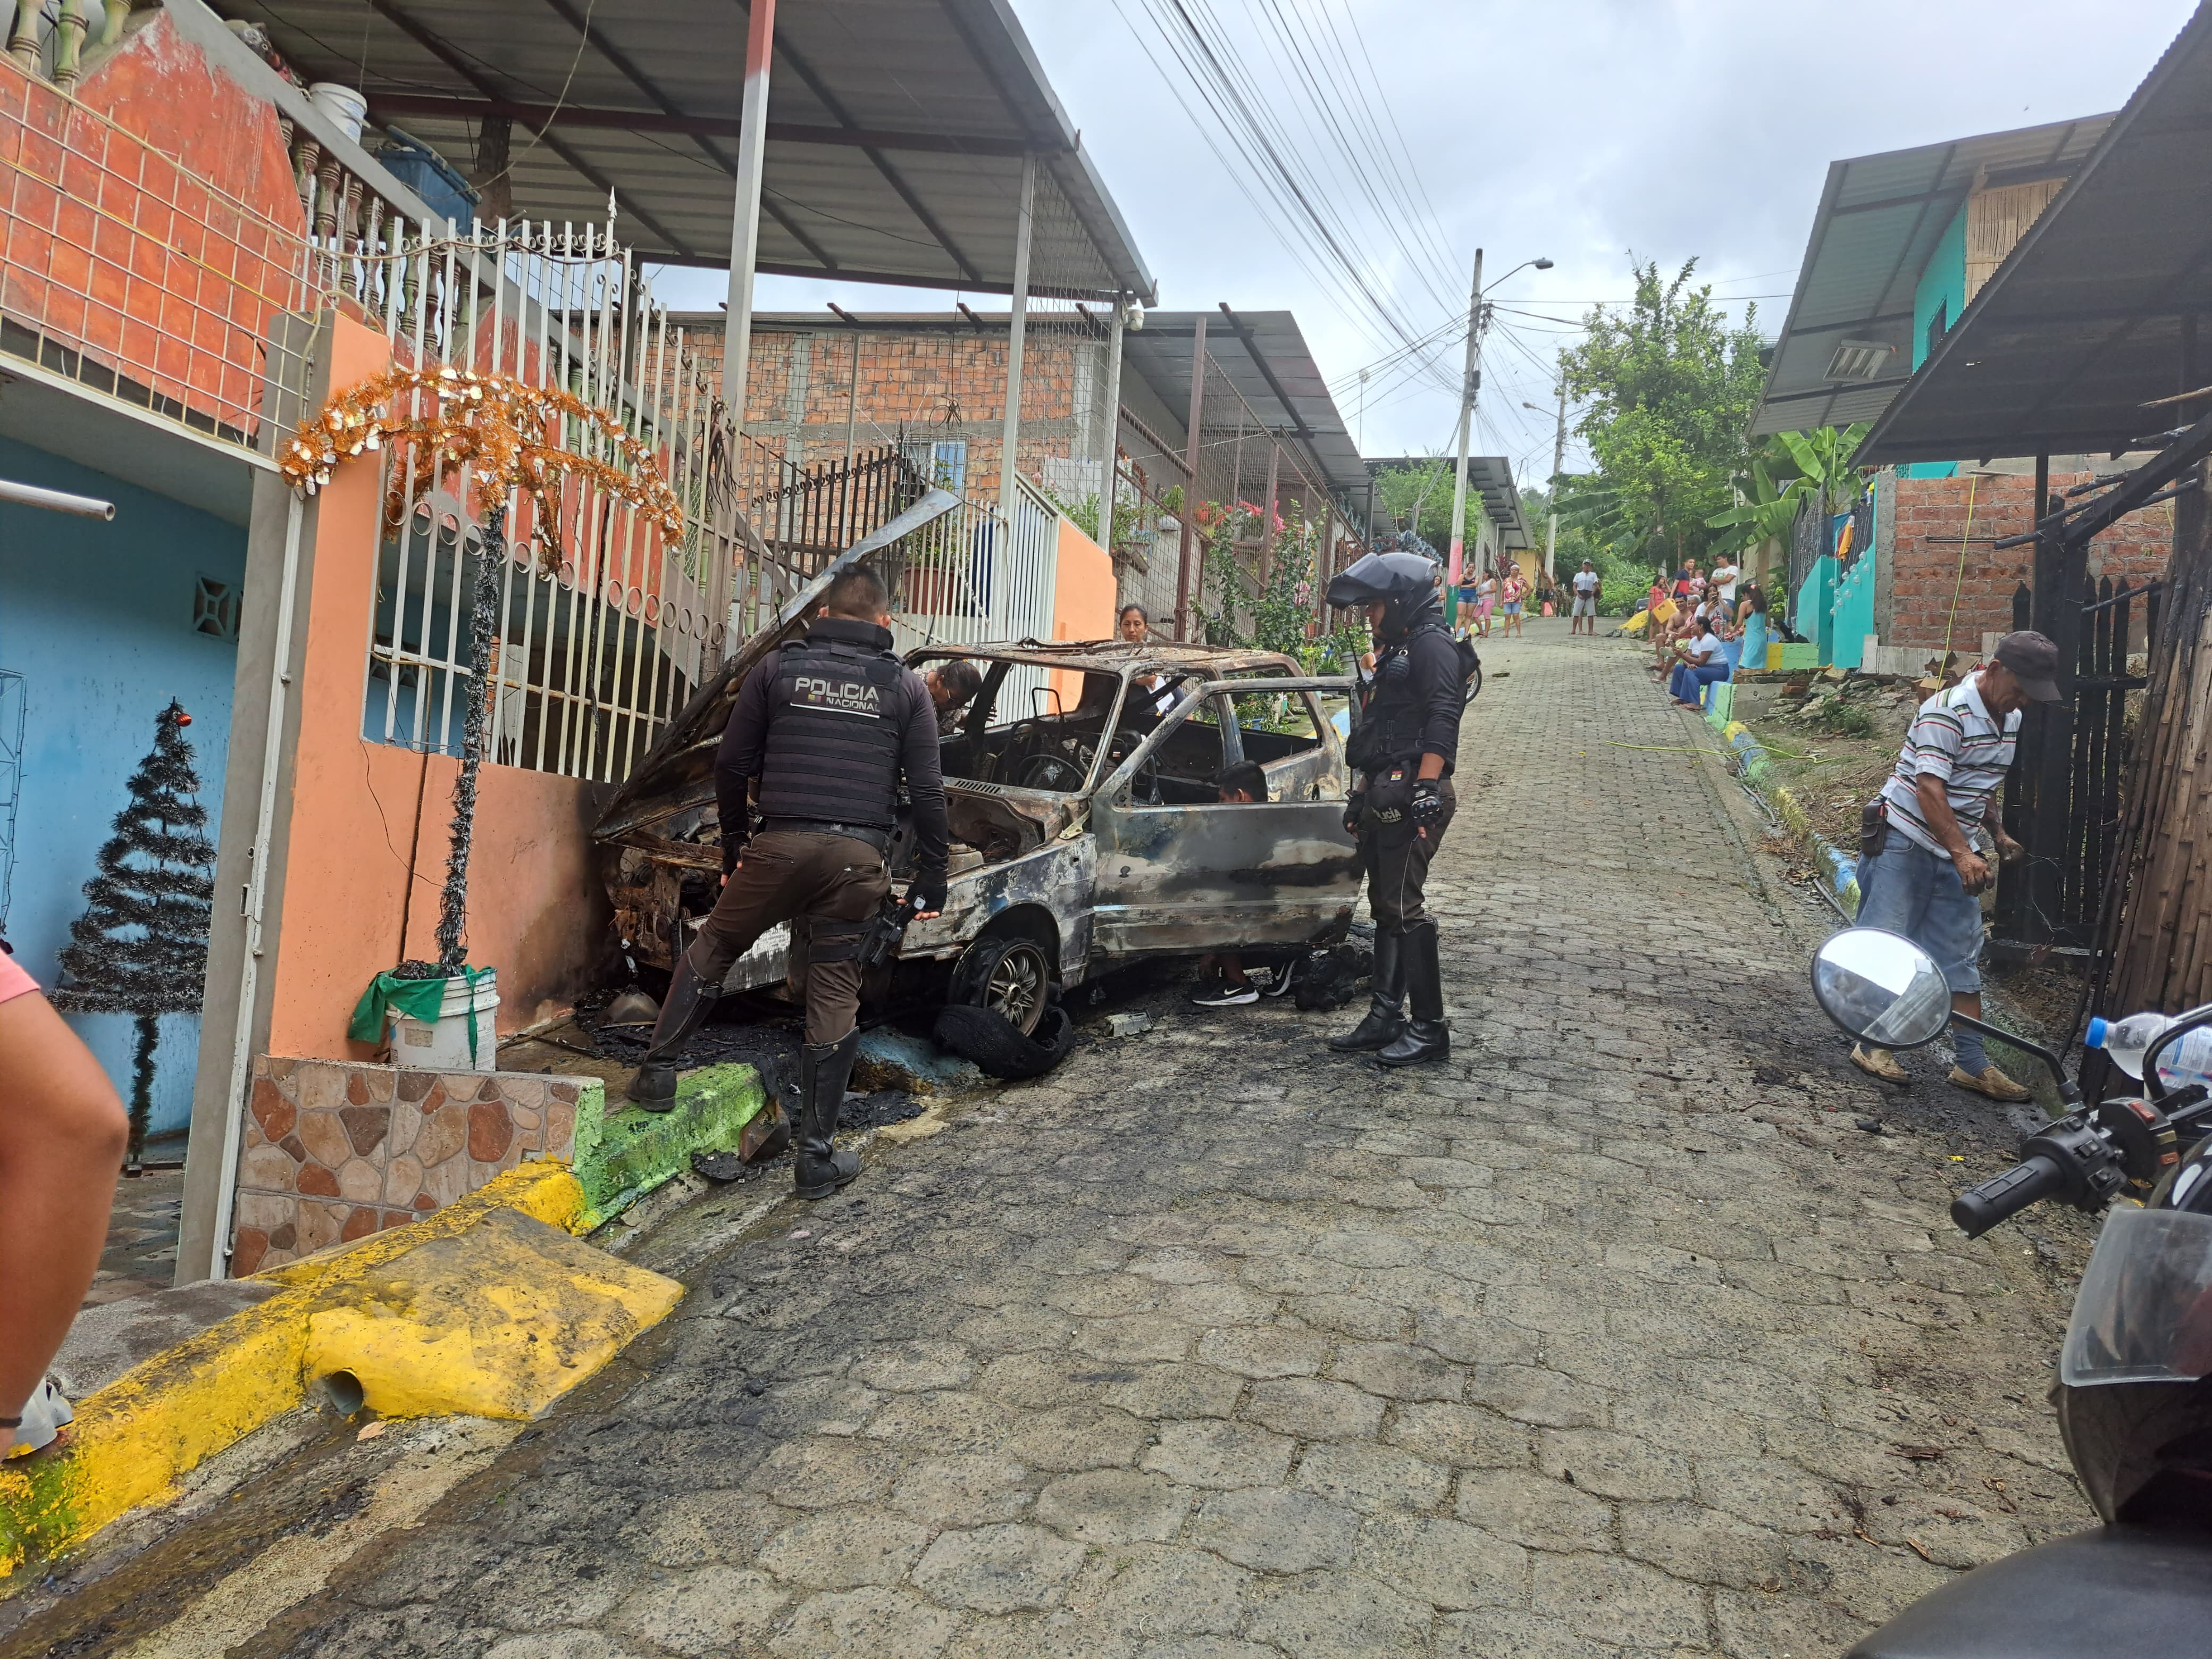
45 1415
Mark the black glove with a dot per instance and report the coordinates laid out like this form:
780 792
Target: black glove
1353 806
926 893
1428 803
731 856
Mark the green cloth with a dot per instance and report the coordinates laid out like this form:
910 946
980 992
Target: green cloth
417 999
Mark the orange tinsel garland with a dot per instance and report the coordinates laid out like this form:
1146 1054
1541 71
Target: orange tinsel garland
493 422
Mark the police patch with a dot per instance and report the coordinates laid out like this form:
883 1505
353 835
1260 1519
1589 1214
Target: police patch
837 695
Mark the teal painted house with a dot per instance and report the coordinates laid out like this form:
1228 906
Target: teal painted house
1900 244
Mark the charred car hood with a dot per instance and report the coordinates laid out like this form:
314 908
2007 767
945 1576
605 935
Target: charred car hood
677 773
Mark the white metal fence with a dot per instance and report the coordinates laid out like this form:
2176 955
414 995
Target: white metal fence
964 579
598 652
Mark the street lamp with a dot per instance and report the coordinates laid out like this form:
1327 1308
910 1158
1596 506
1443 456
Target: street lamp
1468 387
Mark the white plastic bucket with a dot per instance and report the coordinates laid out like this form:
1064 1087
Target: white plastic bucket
346 107
442 1044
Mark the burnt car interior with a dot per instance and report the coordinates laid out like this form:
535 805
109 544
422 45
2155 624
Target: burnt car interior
1057 749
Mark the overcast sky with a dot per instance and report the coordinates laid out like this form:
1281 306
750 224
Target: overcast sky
1588 131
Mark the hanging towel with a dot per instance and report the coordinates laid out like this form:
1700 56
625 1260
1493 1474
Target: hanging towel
417 999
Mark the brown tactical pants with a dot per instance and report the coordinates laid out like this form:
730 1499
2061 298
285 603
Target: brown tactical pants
1397 856
836 882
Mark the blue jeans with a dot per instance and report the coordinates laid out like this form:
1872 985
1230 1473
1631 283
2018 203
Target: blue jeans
1689 684
1906 888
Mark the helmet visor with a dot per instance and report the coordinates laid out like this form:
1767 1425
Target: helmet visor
2144 1311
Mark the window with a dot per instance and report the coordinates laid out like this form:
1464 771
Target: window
944 463
215 608
1938 325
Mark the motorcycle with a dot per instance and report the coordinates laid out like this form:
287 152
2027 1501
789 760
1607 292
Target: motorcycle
2134 1394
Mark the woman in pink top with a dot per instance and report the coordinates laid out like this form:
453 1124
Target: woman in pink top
62 1132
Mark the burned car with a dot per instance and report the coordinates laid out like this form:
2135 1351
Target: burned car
1086 830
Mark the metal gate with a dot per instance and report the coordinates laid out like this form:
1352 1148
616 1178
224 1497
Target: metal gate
2062 798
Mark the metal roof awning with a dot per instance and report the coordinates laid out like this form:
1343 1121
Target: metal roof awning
1265 357
2089 318
1492 478
1879 221
896 128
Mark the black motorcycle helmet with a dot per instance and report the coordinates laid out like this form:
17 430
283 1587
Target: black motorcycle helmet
1406 582
2135 1378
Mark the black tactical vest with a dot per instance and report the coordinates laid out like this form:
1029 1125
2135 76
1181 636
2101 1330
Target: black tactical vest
1391 722
833 734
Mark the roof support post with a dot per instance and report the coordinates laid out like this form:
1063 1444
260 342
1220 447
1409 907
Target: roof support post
1190 477
2047 729
1323 554
1267 510
1002 574
745 223
1109 443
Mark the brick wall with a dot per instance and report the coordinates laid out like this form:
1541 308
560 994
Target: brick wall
1925 567
929 385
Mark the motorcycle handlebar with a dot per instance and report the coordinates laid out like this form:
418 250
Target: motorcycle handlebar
1978 1209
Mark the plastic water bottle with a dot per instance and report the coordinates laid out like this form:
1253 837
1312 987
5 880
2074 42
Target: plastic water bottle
2187 1060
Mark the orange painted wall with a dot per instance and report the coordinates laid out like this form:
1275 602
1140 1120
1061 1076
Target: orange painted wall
537 912
1082 600
164 249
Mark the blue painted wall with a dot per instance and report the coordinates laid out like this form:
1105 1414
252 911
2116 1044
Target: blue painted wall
98 619
1814 612
1943 284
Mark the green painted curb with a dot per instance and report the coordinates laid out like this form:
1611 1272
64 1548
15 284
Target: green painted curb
623 1154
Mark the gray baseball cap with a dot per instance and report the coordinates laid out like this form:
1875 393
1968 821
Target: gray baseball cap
2033 660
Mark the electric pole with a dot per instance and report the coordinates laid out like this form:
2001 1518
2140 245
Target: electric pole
1471 384
1559 462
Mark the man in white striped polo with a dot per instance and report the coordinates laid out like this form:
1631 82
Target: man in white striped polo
1918 868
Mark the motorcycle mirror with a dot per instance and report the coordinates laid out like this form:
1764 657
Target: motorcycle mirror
1882 987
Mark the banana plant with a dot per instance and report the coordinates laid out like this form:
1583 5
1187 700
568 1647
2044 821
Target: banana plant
1791 467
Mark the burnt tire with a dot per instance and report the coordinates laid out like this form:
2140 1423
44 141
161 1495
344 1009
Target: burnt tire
1010 976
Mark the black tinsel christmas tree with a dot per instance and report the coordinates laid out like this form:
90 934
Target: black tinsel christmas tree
141 946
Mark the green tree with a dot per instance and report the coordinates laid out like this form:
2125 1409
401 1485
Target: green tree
1421 494
1668 386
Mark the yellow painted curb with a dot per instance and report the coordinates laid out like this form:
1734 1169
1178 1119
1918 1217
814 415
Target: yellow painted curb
444 1315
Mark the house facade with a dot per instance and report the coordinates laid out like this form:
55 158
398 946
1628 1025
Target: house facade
1901 244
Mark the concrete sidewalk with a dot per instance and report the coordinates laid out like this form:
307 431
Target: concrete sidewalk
1613 1334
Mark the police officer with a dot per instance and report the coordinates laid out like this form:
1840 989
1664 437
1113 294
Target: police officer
1403 801
829 724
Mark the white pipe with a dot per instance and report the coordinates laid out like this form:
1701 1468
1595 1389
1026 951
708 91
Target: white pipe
1111 443
54 500
256 893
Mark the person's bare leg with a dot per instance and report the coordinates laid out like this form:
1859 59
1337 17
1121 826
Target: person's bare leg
62 1134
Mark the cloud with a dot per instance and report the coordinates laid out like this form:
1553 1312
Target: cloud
1592 132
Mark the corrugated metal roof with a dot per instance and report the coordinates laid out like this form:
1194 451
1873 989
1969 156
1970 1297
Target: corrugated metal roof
1265 356
897 127
2083 324
1879 220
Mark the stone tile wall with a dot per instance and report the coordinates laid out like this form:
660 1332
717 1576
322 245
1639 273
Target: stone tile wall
335 1150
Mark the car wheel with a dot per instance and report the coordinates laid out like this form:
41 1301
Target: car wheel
1010 977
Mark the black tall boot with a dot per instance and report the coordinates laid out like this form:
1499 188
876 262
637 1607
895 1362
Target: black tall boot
820 1168
1425 1036
1385 1018
688 997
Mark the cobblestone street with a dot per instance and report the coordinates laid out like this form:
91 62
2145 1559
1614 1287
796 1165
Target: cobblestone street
1614 1332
